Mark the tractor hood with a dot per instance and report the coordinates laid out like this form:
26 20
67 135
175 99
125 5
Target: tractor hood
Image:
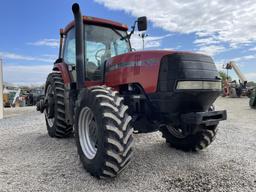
140 55
140 58
162 75
149 68
135 67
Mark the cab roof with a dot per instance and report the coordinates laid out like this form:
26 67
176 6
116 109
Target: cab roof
96 21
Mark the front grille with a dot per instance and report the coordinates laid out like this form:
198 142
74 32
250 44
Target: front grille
185 66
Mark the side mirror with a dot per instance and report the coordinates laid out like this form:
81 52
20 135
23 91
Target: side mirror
142 23
142 26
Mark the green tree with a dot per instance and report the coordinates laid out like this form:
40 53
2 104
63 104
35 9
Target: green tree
223 76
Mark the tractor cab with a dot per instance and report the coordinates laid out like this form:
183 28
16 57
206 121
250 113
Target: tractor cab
102 40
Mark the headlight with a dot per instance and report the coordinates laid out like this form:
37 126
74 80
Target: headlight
198 85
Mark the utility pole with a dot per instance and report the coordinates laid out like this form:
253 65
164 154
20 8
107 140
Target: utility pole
1 90
143 35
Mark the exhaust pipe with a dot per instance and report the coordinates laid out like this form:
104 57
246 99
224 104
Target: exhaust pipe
80 47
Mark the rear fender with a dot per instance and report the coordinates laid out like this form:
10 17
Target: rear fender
63 69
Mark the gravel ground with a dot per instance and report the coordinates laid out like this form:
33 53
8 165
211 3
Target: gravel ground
32 161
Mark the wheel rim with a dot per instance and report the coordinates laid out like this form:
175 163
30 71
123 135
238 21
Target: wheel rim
176 132
49 120
87 129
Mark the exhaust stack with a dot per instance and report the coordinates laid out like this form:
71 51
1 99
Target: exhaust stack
80 49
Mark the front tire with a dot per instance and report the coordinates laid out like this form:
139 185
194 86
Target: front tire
103 132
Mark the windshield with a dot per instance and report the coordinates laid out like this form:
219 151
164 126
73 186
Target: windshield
102 43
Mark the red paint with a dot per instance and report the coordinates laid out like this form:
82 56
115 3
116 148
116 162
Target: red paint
97 21
145 75
92 83
63 68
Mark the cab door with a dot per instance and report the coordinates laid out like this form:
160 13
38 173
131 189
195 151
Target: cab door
93 65
69 54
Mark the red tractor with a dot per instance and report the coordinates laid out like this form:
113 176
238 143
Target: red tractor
103 92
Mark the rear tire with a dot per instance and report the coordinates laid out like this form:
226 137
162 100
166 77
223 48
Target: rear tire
193 142
252 101
105 142
56 126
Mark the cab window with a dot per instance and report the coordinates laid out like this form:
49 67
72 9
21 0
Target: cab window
70 48
101 43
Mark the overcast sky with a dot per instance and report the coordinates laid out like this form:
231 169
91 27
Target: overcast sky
224 29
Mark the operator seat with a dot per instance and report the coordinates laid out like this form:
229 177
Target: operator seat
105 56
91 68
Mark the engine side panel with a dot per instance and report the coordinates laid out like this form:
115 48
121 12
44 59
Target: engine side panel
135 67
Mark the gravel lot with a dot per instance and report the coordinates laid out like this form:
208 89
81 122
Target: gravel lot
32 161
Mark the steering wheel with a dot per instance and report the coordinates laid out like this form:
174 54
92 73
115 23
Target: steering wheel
98 57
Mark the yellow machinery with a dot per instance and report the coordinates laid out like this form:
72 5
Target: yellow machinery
6 100
233 88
